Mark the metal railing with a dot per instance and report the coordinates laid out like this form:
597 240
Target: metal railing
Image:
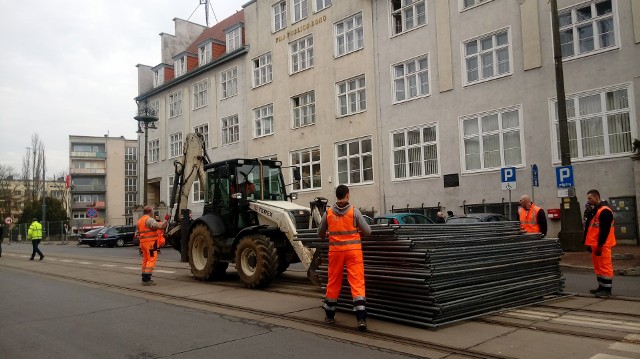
51 231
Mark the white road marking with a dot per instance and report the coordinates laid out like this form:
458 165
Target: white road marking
85 262
66 261
108 265
164 271
625 347
134 268
607 356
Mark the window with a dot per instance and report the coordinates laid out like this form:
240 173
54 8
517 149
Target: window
198 192
415 152
154 150
229 82
263 120
349 35
170 189
471 3
200 96
155 107
301 54
600 123
131 169
180 65
492 139
587 28
322 4
352 97
130 200
411 79
279 16
304 109
308 161
130 184
204 131
175 104
487 57
204 54
230 130
355 161
262 72
234 39
299 10
175 144
158 77
407 15
131 154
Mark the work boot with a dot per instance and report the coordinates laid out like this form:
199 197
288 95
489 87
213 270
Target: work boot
149 282
362 325
42 257
31 258
594 291
603 293
328 320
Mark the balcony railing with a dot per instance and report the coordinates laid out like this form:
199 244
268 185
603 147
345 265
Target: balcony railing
89 154
90 188
88 171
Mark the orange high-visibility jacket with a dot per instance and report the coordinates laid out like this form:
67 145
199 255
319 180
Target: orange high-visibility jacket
146 234
593 231
343 234
529 219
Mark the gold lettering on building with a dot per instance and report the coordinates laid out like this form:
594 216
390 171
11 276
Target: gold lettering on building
301 28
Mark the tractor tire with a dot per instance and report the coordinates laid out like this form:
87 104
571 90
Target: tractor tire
256 261
204 254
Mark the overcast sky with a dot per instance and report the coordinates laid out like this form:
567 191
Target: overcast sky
69 68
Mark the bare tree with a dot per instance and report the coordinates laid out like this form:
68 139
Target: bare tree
33 168
60 185
8 191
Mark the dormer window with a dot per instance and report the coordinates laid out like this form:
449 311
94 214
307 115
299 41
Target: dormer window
180 65
158 77
204 53
234 38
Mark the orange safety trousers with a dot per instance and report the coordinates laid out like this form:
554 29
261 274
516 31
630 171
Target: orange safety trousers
602 264
352 259
149 257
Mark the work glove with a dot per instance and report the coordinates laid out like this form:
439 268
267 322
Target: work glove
598 251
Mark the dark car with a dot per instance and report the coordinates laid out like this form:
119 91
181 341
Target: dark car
116 236
90 237
477 218
403 218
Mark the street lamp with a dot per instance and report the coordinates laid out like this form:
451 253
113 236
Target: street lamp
147 118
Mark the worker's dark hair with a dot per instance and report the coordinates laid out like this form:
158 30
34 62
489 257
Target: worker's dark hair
594 192
341 191
147 210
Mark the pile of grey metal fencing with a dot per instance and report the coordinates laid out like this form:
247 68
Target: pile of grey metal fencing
431 275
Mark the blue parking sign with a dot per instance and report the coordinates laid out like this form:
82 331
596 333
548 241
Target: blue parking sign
564 176
508 174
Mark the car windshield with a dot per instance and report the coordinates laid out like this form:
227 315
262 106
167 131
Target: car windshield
415 219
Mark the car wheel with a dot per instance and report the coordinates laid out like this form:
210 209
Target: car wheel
120 242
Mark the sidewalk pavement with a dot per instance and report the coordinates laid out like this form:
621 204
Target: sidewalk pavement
626 260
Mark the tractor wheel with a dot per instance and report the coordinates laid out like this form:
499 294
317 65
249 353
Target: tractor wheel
204 254
256 261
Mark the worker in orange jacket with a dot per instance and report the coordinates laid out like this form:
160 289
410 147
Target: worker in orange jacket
599 237
532 217
343 224
151 238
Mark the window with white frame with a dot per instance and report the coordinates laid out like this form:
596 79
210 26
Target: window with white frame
301 54
263 120
349 35
279 16
197 191
411 78
154 105
180 65
352 96
204 54
300 9
130 200
204 131
308 161
262 71
487 57
492 139
355 161
587 28
229 82
600 123
471 3
175 144
130 184
175 104
234 39
407 15
169 188
304 109
158 77
321 4
131 153
200 94
154 150
131 169
415 152
230 129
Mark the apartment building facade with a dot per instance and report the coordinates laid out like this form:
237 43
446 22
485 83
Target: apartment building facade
104 180
416 112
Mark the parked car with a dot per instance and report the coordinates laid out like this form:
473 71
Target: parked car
368 219
403 218
478 217
90 237
116 236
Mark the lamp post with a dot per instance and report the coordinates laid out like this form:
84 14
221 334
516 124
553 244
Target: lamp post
147 118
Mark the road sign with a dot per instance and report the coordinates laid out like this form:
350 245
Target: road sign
92 213
534 176
564 177
508 178
8 220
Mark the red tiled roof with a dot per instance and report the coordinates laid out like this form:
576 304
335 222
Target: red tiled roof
216 31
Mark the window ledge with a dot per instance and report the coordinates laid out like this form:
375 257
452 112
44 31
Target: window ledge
468 84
